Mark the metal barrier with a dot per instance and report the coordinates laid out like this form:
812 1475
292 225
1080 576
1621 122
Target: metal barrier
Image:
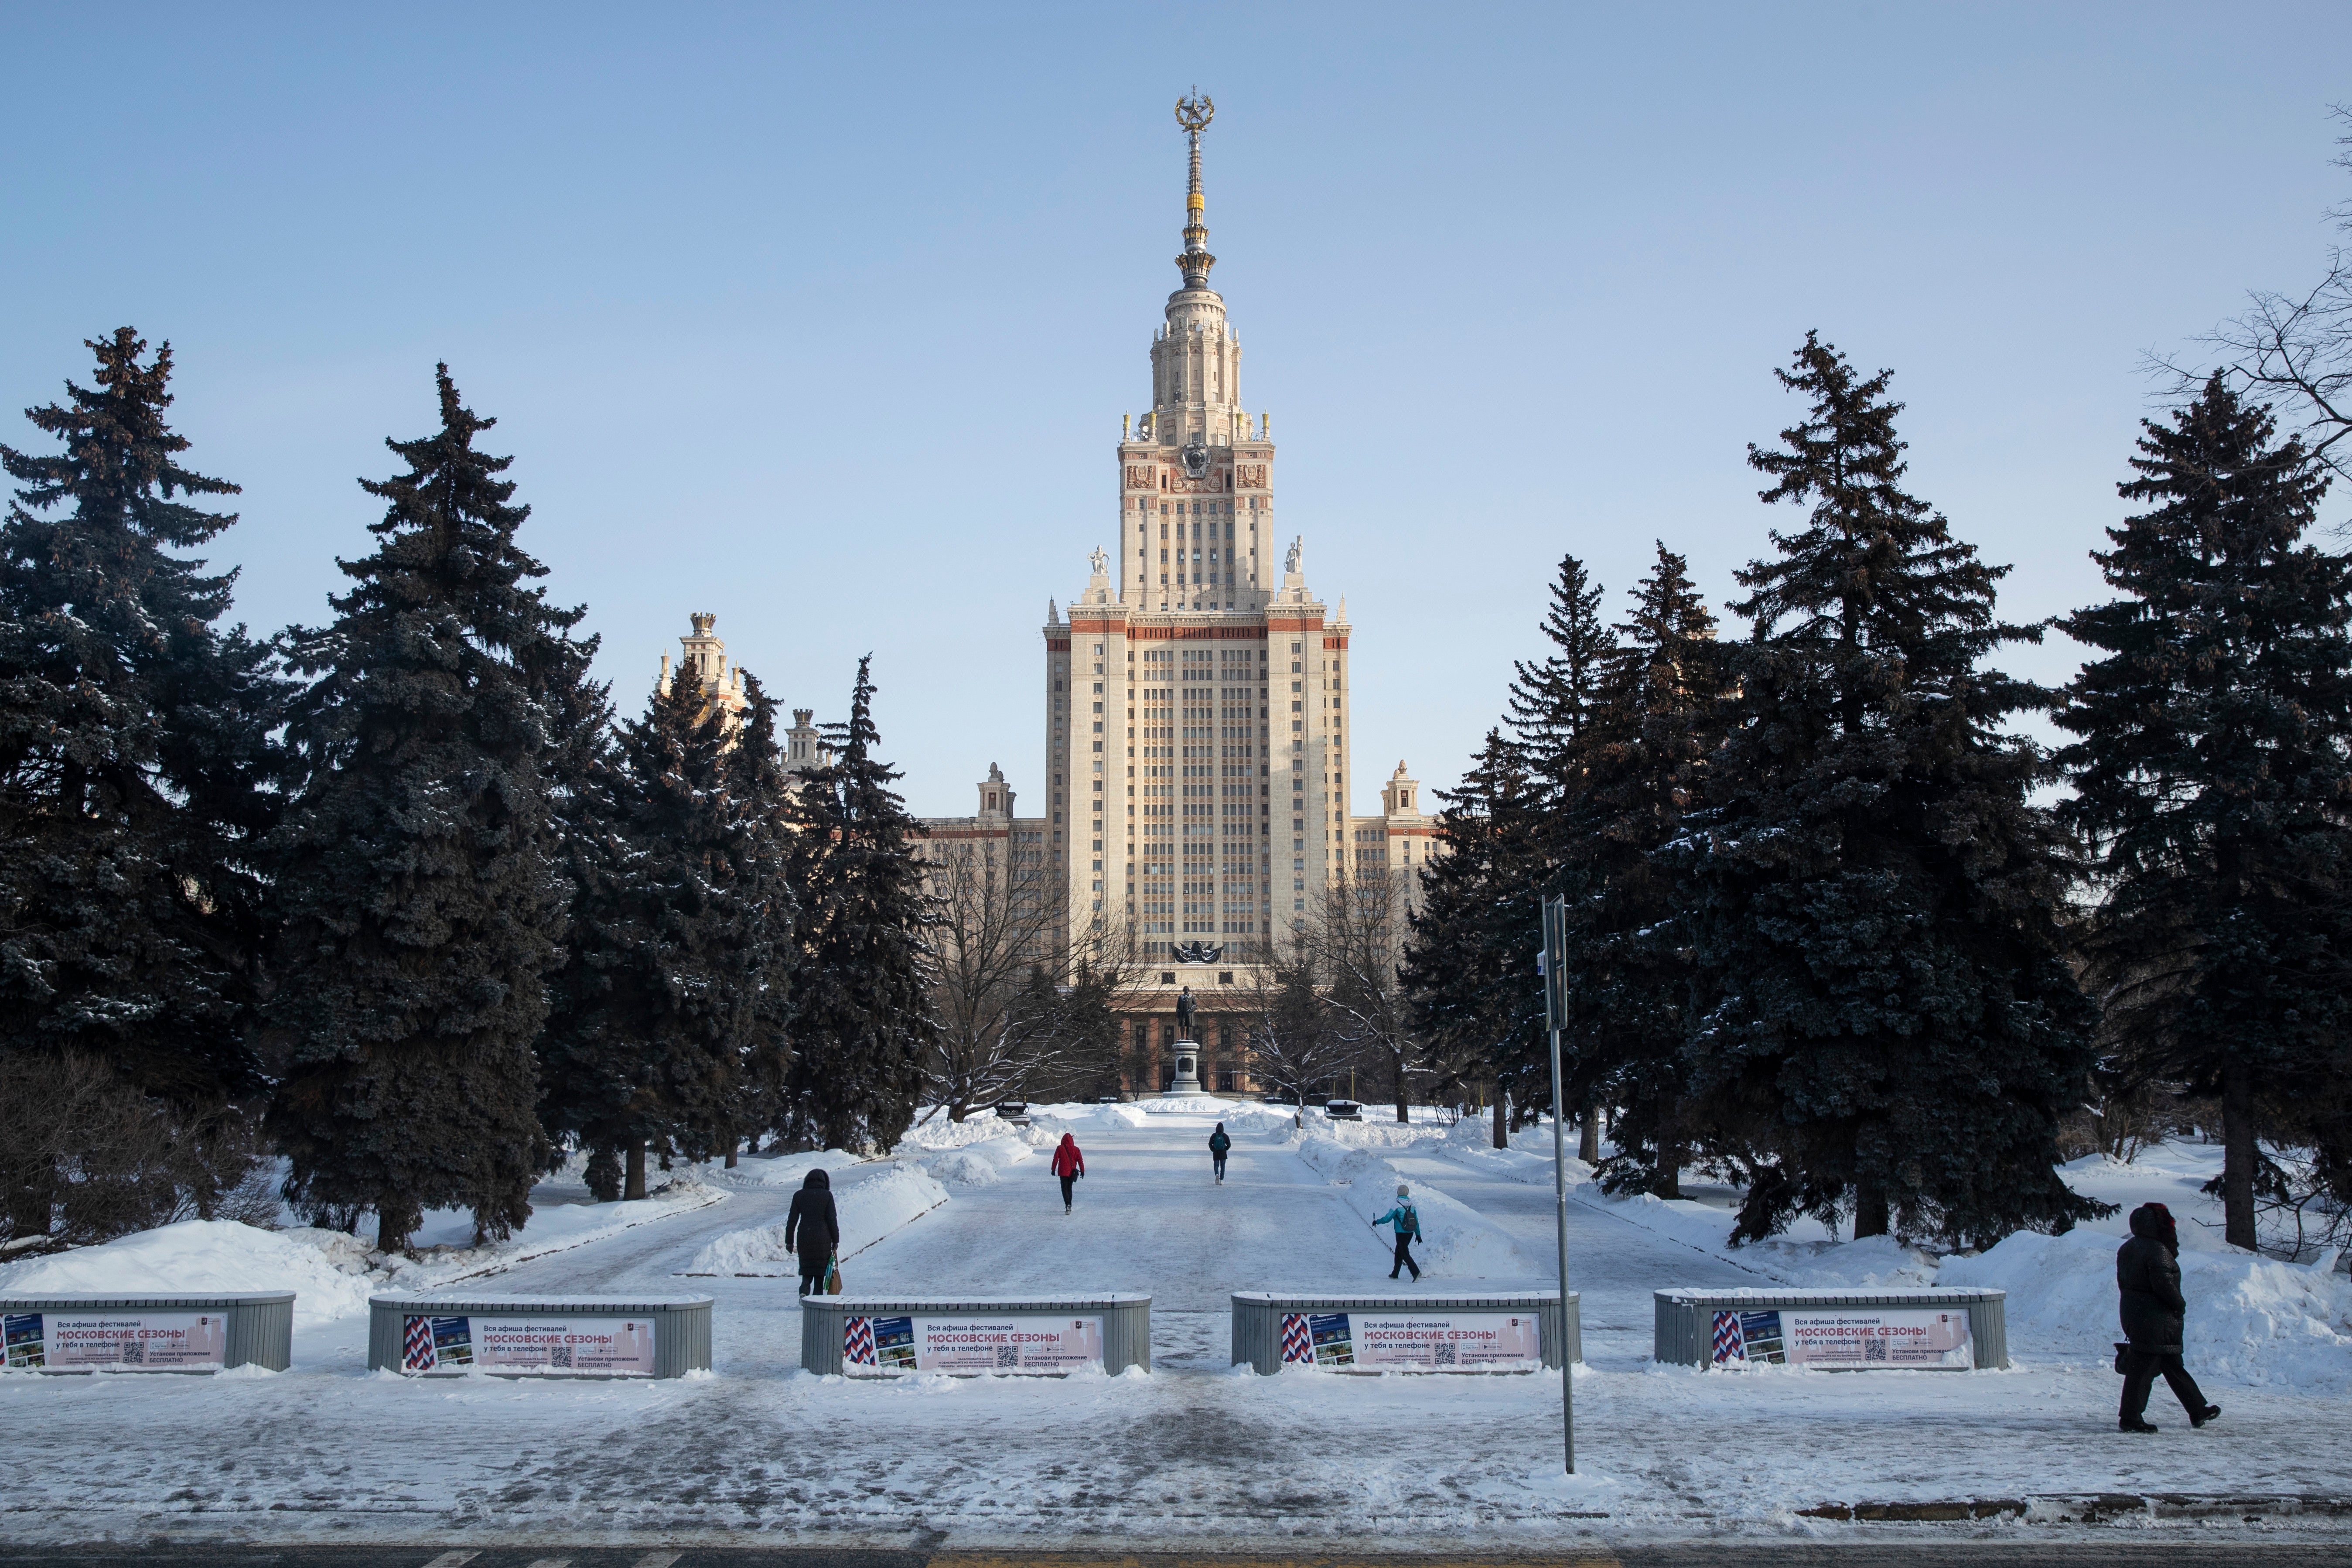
881 1336
1838 1331
149 1333
540 1336
1512 1332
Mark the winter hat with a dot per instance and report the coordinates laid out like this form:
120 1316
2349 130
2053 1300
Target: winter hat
1403 1190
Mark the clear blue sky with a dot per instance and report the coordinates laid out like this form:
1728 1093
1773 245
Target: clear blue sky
824 319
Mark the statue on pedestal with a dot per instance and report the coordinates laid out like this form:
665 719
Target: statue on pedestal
1185 1011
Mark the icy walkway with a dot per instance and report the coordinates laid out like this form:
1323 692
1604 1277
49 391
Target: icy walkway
1191 1455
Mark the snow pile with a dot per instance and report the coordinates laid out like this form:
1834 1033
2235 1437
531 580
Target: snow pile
772 1170
1471 1144
204 1257
980 1164
1379 1130
2251 1320
1048 1122
973 1153
939 1133
873 1202
1457 1242
1190 1105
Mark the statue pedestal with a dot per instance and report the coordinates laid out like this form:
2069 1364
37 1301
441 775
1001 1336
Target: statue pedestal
1188 1068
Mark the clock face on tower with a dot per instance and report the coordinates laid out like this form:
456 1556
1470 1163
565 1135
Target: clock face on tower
1196 460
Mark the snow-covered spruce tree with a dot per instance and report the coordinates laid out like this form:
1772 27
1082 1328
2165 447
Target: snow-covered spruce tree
418 895
691 981
862 1023
1469 958
2211 776
586 1066
762 793
134 751
1466 962
1655 717
1550 701
1888 1023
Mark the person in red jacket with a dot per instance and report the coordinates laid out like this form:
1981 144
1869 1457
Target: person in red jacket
1068 1164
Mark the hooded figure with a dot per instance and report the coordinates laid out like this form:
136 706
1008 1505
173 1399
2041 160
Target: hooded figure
1219 1145
1068 1164
1407 1226
815 1227
2154 1313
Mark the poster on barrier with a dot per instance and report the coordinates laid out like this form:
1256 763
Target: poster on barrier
1414 1341
922 1342
117 1342
1846 1339
600 1347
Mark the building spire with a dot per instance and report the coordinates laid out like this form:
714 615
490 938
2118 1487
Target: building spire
1193 114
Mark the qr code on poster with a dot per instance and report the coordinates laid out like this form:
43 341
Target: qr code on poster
1874 1349
130 1352
1442 1355
559 1355
1009 1357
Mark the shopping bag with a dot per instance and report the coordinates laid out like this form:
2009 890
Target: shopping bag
2122 1357
833 1276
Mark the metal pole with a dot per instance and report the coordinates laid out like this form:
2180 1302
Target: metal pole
1555 918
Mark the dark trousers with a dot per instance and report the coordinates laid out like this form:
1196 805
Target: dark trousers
1067 1183
1220 1162
2140 1377
812 1269
1403 1258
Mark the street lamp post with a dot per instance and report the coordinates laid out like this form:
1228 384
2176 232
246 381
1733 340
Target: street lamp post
1552 964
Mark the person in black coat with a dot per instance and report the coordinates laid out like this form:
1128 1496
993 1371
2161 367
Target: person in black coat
815 1225
2147 1277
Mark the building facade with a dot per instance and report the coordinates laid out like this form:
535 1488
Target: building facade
1193 803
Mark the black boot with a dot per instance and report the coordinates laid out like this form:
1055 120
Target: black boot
2204 1416
2134 1423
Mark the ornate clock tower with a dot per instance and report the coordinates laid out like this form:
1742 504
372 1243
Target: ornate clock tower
1196 714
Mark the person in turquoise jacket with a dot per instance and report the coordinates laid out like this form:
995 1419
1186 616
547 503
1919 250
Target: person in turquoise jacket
1407 1226
1219 1146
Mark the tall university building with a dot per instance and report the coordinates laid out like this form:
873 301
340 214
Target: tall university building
1195 787
1197 704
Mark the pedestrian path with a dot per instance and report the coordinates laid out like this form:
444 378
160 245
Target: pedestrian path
1151 1216
1613 1265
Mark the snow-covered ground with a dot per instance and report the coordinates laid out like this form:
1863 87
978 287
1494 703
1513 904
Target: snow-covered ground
1196 1452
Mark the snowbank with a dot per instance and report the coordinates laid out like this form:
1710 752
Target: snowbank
981 1163
329 1271
2251 1320
1457 1242
203 1256
975 1152
873 1202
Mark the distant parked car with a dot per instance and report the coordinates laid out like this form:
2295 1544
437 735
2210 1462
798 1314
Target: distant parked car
1343 1110
1280 1097
1017 1111
1106 1100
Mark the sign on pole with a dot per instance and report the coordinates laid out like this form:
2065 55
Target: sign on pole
1553 966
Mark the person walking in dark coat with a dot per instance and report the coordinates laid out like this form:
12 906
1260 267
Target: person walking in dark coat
1068 1164
2155 1315
815 1227
1219 1146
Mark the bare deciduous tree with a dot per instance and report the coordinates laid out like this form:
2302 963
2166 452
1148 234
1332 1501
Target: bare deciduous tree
1356 934
1292 1046
2294 349
1026 1003
85 1157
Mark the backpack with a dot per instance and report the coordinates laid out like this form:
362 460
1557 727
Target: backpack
1219 1144
1407 1221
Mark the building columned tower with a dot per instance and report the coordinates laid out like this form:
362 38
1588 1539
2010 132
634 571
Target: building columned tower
1197 704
